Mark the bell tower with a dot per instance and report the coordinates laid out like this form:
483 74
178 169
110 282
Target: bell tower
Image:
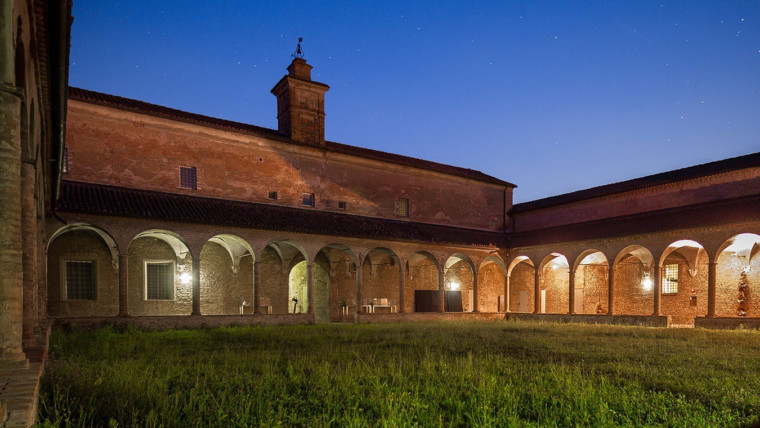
301 103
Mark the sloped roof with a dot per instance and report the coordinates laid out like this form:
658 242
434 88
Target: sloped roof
141 107
692 172
98 199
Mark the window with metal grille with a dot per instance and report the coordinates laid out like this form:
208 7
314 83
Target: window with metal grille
80 280
308 199
402 207
341 205
273 195
188 177
670 279
159 280
65 164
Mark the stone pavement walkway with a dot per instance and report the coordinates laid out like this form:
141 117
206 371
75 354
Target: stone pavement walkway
20 387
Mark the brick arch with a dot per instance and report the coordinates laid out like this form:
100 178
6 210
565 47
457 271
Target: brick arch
517 260
585 253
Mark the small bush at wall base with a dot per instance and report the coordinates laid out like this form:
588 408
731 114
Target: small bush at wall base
423 374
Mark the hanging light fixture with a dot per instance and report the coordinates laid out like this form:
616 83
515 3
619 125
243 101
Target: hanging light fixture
646 282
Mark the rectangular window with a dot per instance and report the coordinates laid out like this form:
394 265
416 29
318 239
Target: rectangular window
188 177
273 196
65 164
402 207
670 279
308 199
80 280
159 280
342 205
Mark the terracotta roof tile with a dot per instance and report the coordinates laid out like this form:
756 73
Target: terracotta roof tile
182 116
100 199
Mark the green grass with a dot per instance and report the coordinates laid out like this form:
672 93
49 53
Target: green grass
501 373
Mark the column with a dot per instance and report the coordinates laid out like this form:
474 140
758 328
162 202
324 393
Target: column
507 280
441 291
571 288
123 287
29 250
256 288
712 269
537 293
11 293
475 292
358 293
610 290
310 287
401 279
657 289
196 286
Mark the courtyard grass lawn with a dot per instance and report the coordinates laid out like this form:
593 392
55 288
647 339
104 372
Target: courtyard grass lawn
501 373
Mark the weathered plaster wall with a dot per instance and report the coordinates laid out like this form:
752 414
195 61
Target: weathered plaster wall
112 146
728 275
140 250
422 275
82 245
593 279
521 280
221 287
629 296
490 287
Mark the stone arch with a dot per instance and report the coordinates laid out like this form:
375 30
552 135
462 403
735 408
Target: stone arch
591 271
227 287
492 286
89 256
381 280
459 276
337 290
110 242
160 274
521 274
737 289
423 273
634 276
554 284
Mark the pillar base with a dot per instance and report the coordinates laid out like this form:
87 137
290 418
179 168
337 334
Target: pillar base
14 361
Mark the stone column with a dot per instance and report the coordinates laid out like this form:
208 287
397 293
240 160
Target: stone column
657 290
11 282
475 292
441 291
536 292
571 288
712 269
196 286
610 290
29 250
358 293
401 280
256 288
123 283
310 287
507 279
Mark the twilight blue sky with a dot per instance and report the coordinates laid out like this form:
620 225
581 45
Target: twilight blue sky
552 96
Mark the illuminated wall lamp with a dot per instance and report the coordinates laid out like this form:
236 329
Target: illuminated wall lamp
746 269
185 278
646 282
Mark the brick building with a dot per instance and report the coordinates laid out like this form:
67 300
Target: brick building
165 212
160 218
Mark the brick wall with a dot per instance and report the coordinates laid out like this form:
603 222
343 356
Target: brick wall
112 146
629 295
593 279
422 275
728 275
521 280
490 287
221 287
